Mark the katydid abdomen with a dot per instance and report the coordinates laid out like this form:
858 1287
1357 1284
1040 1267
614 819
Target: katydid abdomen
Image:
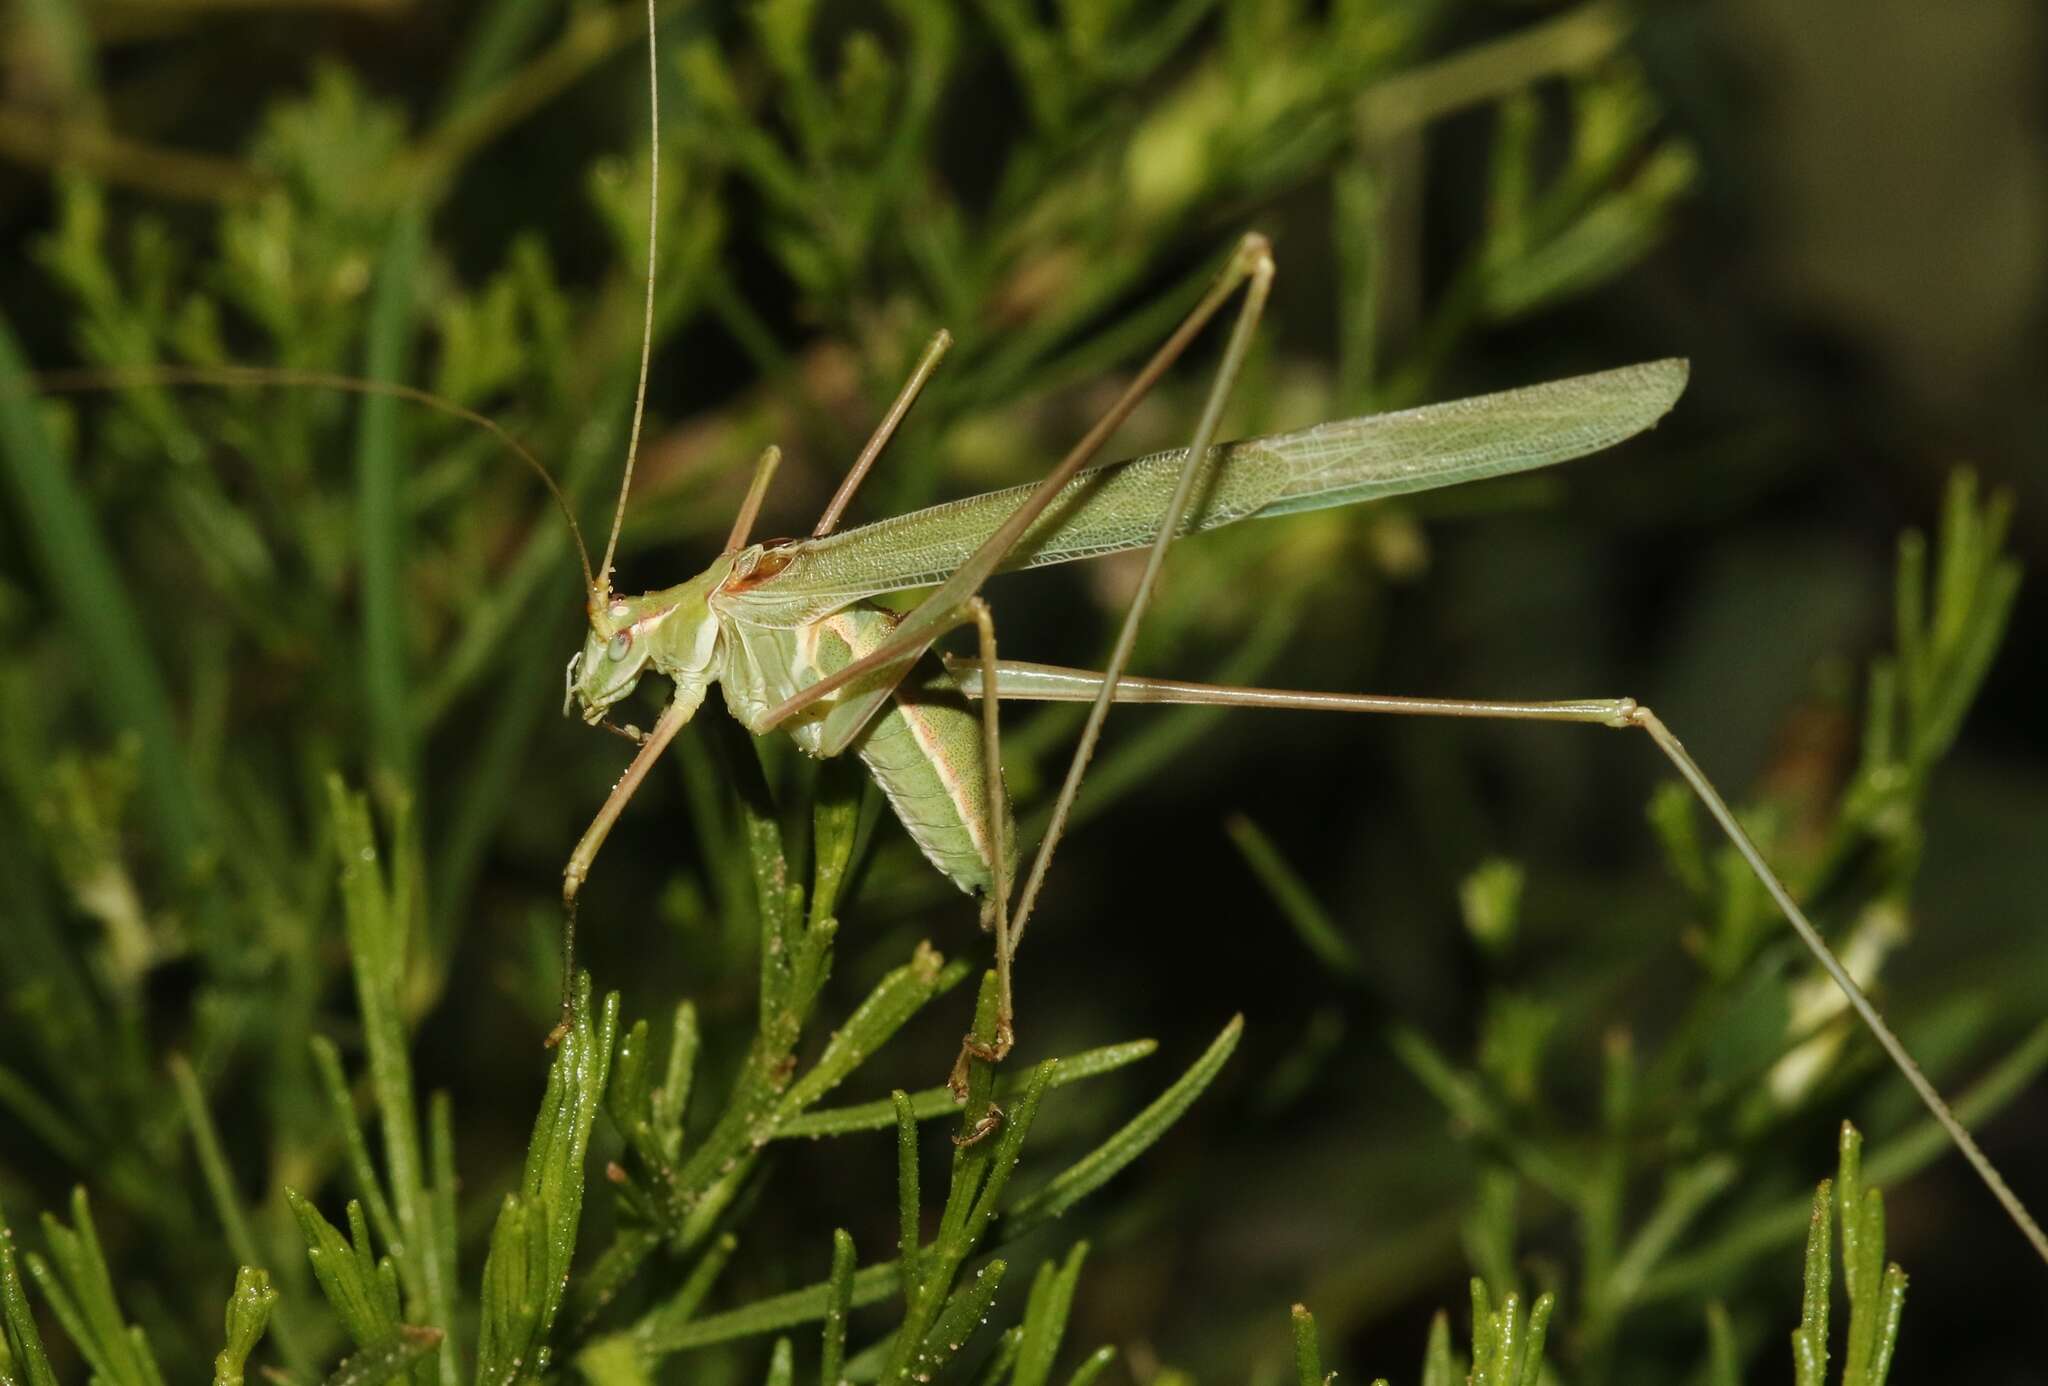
923 745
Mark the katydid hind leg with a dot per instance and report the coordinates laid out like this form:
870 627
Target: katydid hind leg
1252 268
1049 683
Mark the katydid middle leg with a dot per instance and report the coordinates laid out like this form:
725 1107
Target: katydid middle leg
1255 267
757 491
940 610
1049 683
1250 268
884 431
986 667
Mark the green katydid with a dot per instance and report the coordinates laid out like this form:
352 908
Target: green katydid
791 631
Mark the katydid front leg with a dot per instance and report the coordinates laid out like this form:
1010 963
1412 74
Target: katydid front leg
1050 683
680 709
578 868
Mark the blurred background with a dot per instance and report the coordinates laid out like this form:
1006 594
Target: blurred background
1838 212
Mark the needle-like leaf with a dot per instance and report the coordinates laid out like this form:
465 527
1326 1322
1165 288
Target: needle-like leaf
1102 1164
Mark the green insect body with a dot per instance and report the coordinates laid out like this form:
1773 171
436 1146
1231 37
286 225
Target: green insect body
919 739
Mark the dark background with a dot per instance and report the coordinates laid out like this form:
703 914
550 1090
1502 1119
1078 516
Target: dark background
1857 273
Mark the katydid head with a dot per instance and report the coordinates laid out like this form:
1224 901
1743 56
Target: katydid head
673 632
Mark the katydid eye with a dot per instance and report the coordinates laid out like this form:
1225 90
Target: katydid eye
621 644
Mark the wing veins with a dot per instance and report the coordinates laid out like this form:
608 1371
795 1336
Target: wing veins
1112 507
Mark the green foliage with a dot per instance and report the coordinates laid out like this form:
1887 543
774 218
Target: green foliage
1876 1289
1508 1340
535 1237
282 822
1758 1048
248 1315
25 1359
937 1303
400 1306
79 1289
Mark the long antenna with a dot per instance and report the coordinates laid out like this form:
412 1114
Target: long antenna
601 589
74 382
